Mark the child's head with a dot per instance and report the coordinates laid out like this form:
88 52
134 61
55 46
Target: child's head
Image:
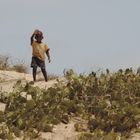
39 36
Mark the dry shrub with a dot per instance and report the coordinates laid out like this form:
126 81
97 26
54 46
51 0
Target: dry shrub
52 76
4 62
20 68
40 76
7 64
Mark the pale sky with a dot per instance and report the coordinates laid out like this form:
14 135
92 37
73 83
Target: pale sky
84 35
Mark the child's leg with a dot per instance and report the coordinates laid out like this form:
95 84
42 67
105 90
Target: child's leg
34 73
44 74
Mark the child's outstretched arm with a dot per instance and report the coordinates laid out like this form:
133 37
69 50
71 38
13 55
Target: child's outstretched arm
48 55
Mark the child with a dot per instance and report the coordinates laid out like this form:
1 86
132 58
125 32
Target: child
38 54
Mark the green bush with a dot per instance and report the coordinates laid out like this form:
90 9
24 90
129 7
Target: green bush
110 104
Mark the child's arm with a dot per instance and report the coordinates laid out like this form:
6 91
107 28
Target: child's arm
32 38
48 55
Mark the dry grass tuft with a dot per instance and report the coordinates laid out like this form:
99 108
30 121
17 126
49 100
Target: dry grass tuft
20 68
50 76
6 64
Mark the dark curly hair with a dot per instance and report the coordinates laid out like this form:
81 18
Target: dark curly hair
39 34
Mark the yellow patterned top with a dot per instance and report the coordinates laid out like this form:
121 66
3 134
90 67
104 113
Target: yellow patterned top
39 50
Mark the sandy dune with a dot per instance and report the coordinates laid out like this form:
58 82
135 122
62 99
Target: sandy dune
61 131
9 78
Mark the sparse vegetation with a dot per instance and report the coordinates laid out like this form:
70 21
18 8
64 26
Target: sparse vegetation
50 76
6 64
20 68
109 102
